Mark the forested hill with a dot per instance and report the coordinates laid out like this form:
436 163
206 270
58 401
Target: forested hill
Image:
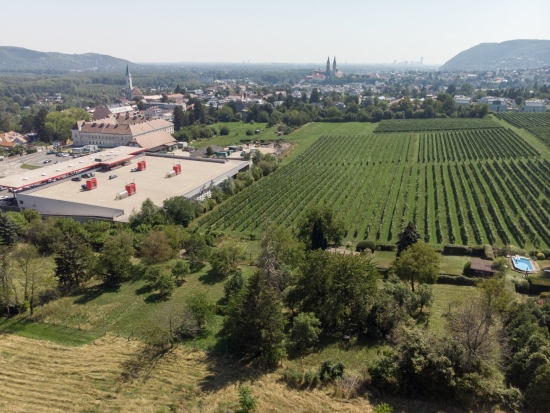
512 54
17 59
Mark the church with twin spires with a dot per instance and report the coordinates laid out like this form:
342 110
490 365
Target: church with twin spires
331 74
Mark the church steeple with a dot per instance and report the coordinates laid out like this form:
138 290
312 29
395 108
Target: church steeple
334 67
328 64
128 84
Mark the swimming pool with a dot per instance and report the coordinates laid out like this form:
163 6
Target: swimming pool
522 264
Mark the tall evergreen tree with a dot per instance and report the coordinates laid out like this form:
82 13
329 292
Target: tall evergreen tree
318 239
408 237
74 262
255 323
40 125
178 118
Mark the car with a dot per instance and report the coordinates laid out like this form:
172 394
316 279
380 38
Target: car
47 161
112 176
64 154
133 170
2 188
56 162
77 179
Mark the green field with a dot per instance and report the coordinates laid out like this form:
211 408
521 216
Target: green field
536 123
421 125
237 131
489 187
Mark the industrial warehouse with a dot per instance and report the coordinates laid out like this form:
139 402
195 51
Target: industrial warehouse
114 183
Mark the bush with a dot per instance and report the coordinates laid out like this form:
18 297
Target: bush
249 132
452 249
477 251
541 256
383 408
386 247
488 253
224 130
522 286
456 280
330 371
305 331
363 245
545 252
467 270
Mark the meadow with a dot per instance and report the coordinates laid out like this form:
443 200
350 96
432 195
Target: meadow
471 187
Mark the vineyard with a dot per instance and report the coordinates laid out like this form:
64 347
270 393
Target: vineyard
465 187
536 123
423 125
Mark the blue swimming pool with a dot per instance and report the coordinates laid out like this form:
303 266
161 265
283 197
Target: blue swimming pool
522 264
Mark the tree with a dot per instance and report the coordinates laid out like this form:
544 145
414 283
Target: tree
425 296
247 403
160 281
40 125
318 239
196 248
315 96
497 292
339 289
255 323
226 114
178 118
224 130
202 309
113 264
226 258
332 228
8 230
209 151
537 394
418 264
58 125
305 331
26 257
179 210
148 216
155 248
408 237
8 291
234 285
180 270
74 262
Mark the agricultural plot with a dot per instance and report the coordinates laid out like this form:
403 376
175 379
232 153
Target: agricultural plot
422 125
465 187
536 123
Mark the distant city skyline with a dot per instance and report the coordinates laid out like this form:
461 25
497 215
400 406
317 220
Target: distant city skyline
368 32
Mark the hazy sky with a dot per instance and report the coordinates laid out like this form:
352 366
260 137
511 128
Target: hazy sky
360 31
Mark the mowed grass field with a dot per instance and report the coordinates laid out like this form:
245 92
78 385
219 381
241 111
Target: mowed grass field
471 187
237 131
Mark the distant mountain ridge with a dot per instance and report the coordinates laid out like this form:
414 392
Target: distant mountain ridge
18 59
512 54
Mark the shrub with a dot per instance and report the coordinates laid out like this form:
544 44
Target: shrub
477 251
544 295
249 132
330 371
452 249
522 286
386 247
500 264
224 130
383 408
363 245
456 280
305 331
541 256
467 270
545 252
488 253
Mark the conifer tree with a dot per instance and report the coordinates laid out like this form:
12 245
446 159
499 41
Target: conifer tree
408 237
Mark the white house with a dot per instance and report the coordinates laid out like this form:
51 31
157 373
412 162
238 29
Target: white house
534 106
461 100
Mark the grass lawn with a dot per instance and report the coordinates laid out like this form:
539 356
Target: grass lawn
123 311
384 258
445 297
237 131
452 264
31 167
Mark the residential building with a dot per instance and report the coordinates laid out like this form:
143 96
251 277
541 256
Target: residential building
461 100
534 106
109 133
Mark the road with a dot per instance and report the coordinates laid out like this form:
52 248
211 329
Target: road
13 166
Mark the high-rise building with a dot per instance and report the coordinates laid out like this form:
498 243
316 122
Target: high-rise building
421 60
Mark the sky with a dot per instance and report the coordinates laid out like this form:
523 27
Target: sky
260 31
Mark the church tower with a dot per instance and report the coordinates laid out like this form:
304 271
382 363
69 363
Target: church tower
334 67
327 72
128 84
